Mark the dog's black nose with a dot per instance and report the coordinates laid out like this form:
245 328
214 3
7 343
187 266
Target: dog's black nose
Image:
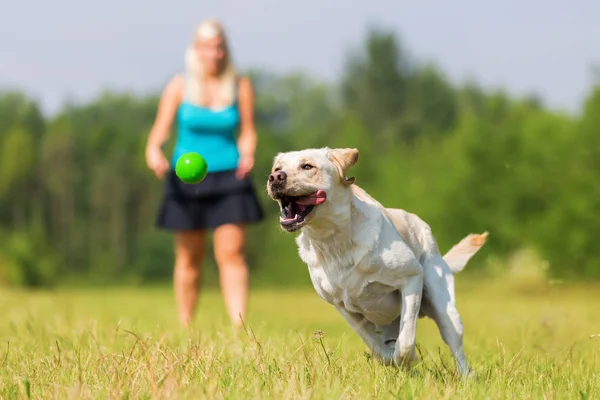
277 177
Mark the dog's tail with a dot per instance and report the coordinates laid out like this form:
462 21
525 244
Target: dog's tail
458 256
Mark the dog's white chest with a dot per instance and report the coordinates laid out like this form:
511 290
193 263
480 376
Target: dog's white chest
325 285
379 303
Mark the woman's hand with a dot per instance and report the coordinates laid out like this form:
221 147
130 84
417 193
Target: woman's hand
244 167
157 162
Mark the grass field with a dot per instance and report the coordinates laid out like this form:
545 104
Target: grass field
524 342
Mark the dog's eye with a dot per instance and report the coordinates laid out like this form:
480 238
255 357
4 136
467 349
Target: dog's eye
277 169
306 166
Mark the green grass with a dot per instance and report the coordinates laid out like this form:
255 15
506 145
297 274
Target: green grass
524 342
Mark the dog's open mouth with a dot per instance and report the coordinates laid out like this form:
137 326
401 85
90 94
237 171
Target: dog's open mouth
295 209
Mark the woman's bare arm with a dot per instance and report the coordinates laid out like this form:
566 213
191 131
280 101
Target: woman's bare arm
248 138
167 108
161 129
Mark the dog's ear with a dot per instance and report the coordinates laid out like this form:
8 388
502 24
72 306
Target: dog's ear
344 159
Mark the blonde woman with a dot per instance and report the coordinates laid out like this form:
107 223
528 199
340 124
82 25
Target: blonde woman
213 108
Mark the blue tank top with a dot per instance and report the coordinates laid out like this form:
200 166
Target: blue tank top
210 133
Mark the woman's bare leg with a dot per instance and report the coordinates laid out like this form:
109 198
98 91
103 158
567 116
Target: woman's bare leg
229 242
189 252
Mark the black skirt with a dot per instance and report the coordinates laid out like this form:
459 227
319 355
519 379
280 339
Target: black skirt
219 199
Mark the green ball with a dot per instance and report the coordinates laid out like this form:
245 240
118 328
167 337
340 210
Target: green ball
191 168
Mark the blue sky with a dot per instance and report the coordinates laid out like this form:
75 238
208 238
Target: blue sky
73 49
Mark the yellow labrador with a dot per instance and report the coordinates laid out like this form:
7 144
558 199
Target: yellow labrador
380 267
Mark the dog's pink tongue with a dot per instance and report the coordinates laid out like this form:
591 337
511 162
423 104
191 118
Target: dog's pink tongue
314 199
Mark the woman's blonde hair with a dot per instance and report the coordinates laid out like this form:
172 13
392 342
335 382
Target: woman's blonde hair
194 77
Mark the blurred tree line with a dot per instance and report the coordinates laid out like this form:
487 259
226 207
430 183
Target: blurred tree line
77 202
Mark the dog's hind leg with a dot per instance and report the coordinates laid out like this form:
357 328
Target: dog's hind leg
441 307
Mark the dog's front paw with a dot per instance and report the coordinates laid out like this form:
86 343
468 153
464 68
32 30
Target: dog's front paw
405 357
384 356
468 375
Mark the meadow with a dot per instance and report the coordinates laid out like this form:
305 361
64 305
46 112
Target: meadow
78 206
525 341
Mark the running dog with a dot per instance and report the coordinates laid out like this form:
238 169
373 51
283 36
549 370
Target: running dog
379 267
